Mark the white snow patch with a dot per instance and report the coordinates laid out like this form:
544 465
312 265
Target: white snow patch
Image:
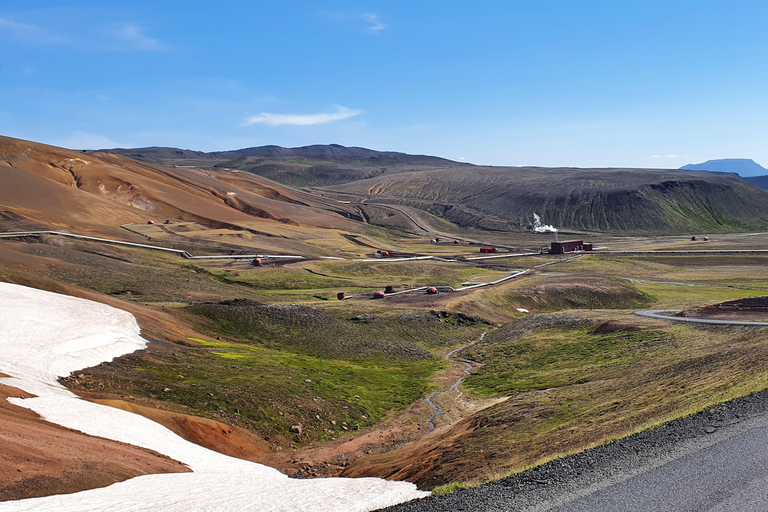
45 335
522 310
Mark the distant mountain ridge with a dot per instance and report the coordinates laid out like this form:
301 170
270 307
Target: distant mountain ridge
316 165
500 198
162 155
742 166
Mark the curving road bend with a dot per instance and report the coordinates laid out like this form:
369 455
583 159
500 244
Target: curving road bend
665 314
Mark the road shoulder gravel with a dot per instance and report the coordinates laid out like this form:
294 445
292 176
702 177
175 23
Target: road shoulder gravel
562 480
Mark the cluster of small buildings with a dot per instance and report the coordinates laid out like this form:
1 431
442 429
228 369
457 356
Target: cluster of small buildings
569 246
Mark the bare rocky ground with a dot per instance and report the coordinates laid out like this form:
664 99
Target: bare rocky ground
535 488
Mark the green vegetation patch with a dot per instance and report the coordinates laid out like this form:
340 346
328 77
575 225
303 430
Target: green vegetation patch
575 382
314 332
418 273
558 356
276 366
267 390
271 390
280 279
673 296
447 488
582 292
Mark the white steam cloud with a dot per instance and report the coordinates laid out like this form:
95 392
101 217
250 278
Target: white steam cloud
538 227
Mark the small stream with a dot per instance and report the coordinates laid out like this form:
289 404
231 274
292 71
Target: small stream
437 408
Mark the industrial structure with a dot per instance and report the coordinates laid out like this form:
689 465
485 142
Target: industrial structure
569 246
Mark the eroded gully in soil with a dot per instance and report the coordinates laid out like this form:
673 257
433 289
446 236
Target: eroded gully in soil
437 408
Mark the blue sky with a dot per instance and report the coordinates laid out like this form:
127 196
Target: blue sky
550 83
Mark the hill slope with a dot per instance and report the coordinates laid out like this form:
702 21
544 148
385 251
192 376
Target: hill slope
616 200
741 166
495 198
315 165
50 187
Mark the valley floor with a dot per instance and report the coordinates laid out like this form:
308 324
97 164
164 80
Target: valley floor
48 335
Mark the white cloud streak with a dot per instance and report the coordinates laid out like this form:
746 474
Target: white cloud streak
302 119
135 39
376 24
85 140
28 33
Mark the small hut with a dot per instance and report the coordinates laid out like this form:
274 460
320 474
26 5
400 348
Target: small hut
379 295
432 291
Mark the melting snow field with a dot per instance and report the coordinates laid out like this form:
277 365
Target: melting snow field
45 335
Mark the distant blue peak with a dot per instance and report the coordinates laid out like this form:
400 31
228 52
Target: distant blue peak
742 166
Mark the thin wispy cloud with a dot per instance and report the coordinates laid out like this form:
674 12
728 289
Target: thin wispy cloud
352 19
376 24
85 140
27 33
133 37
270 119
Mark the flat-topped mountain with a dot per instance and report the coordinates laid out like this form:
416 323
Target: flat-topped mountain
741 166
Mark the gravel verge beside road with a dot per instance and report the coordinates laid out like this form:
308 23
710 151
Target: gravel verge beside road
556 483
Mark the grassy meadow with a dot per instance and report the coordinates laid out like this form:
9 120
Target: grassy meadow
268 348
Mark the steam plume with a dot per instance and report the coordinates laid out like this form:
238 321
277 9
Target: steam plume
538 227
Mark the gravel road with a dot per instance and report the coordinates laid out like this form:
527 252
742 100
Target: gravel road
716 460
666 314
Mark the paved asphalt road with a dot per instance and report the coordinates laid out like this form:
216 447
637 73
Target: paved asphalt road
730 475
664 314
716 460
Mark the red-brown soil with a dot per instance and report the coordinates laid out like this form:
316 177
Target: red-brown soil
39 458
413 462
211 434
95 193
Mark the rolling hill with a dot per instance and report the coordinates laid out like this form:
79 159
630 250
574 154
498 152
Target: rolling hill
94 192
501 198
100 191
608 200
316 165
